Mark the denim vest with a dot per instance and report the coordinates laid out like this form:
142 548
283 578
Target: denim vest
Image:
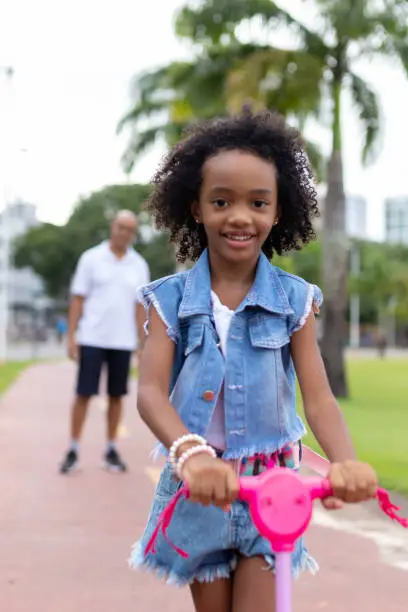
258 373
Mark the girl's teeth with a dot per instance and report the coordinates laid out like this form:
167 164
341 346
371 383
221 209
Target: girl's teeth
239 237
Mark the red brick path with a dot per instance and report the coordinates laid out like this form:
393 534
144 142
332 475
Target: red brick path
64 541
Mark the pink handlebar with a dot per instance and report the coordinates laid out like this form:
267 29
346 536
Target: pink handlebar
281 502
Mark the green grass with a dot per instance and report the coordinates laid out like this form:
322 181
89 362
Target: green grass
377 415
9 372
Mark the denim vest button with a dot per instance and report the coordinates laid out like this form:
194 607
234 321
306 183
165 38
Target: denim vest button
208 396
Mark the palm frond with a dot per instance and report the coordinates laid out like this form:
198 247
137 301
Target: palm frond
216 20
401 49
142 110
152 92
170 130
182 91
140 141
388 32
317 159
366 102
348 19
285 81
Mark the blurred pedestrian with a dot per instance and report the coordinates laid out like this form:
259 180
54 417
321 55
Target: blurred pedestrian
105 326
61 328
381 343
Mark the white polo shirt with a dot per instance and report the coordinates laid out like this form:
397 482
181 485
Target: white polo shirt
109 286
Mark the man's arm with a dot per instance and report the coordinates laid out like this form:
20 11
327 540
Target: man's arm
74 314
80 288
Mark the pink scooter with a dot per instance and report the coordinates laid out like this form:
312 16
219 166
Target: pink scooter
281 506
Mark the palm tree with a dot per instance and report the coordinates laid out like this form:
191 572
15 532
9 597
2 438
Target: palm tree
343 31
216 82
168 99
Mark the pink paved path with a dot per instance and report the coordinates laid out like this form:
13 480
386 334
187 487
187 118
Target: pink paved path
64 541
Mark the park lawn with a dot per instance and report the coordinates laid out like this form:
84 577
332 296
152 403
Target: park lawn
9 372
377 415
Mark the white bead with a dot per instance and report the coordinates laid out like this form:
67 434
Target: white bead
194 450
179 442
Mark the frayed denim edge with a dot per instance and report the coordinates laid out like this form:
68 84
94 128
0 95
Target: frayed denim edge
207 574
150 299
307 309
306 563
138 560
157 451
253 449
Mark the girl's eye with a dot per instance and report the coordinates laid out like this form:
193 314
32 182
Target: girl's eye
220 203
259 204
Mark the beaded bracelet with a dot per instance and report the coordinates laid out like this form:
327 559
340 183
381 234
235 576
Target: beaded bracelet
179 442
194 450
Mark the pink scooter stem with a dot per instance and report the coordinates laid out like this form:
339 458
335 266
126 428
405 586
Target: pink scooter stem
281 503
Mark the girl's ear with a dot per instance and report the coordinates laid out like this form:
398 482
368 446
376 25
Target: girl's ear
278 216
195 211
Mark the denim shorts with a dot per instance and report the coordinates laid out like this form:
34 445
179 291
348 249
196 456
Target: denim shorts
213 539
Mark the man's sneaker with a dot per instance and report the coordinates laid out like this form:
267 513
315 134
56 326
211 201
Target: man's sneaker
113 462
70 462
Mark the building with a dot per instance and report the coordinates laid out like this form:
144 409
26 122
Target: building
356 214
356 217
25 291
396 220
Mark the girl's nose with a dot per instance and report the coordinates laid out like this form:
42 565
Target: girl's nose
239 216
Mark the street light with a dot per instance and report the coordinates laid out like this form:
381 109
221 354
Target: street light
8 71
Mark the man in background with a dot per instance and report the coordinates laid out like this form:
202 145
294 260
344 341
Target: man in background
105 326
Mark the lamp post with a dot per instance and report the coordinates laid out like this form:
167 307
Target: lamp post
8 71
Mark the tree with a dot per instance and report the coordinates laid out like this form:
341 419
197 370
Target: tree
305 263
216 82
344 30
383 281
45 250
167 100
53 251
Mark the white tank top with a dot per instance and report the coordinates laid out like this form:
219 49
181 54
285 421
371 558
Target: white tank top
222 318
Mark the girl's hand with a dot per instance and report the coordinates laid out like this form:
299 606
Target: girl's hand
352 482
210 481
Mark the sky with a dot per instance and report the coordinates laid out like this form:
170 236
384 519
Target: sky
73 63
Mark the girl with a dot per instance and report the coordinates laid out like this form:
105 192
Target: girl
225 340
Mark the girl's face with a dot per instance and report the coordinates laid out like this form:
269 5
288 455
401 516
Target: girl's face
237 205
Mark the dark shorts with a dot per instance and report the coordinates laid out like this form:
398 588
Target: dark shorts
91 361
